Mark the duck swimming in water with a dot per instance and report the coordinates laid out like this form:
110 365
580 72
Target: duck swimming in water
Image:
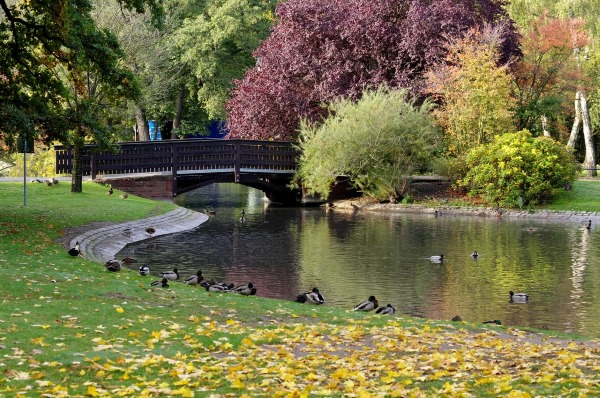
368 305
437 259
518 297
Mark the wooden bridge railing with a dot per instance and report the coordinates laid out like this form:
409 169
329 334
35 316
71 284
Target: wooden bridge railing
190 156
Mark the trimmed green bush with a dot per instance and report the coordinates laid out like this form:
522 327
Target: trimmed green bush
517 170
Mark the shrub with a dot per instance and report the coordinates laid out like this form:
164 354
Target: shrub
516 170
41 163
376 142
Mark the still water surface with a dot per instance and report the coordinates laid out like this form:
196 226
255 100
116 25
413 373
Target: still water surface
349 256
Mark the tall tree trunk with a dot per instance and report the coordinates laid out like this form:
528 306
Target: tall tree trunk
178 111
590 151
77 166
142 124
545 126
576 121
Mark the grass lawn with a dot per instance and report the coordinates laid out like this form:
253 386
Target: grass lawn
585 196
70 328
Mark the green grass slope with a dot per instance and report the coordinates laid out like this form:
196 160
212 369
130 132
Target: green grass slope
70 328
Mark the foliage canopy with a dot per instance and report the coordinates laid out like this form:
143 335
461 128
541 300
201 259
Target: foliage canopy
321 51
477 93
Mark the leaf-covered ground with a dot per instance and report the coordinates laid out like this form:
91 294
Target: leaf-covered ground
70 328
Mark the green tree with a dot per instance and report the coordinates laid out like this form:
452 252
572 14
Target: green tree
377 142
516 170
475 92
59 68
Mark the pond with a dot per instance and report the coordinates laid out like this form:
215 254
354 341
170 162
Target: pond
352 255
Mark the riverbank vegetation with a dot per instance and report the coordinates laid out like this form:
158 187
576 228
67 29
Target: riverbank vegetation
70 328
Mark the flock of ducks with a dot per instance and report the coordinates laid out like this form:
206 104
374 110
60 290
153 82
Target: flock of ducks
312 297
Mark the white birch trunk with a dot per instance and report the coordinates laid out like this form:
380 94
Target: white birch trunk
590 151
545 126
576 121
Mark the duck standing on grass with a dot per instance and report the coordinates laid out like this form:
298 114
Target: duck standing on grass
387 310
246 290
144 270
194 279
368 305
74 251
170 275
162 283
113 265
312 297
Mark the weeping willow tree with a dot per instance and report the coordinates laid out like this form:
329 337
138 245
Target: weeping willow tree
377 142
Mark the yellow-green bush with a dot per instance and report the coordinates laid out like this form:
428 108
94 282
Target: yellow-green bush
516 170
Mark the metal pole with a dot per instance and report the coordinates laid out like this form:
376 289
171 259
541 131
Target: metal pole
25 173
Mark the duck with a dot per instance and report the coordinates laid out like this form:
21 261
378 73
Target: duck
216 287
162 283
150 230
129 260
368 305
495 322
124 195
518 297
194 279
110 190
246 290
387 310
437 259
312 297
588 224
113 265
475 255
144 270
74 251
170 275
243 216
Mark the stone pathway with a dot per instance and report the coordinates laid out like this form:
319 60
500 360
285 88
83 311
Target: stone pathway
104 243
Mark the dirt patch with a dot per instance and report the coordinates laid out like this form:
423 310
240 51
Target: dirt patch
72 232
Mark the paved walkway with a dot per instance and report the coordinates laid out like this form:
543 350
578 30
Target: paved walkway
104 243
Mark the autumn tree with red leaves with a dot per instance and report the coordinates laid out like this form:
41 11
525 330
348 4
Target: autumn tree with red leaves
547 74
321 51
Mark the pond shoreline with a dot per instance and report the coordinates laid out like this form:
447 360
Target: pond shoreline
362 204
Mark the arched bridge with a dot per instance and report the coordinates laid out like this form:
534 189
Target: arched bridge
193 163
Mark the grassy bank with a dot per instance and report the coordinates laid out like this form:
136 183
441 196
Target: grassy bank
70 328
